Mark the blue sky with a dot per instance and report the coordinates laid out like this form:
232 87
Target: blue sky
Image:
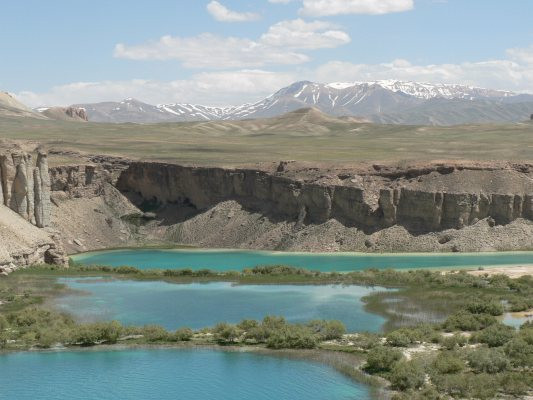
233 51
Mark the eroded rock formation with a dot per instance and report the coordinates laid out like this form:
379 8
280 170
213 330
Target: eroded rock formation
294 206
25 188
437 199
25 208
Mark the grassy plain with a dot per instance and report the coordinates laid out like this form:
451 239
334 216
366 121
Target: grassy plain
291 137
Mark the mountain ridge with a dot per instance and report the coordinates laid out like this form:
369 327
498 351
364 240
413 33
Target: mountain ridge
386 101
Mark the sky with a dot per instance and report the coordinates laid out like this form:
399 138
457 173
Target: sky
229 52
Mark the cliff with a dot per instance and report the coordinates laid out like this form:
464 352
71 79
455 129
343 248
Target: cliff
24 187
25 208
295 206
434 199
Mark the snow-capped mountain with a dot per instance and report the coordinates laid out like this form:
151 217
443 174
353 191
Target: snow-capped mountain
387 101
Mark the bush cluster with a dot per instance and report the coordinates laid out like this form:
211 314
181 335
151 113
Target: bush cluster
277 333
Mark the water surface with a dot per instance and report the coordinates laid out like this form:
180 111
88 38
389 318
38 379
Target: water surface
517 319
169 375
223 260
200 305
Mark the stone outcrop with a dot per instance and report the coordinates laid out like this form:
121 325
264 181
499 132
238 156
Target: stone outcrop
436 199
25 207
66 113
25 188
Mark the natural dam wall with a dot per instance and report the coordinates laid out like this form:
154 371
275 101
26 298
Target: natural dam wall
112 202
445 197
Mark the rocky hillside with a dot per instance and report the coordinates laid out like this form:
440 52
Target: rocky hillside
11 107
65 113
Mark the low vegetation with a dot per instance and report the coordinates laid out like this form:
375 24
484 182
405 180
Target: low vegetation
335 141
444 338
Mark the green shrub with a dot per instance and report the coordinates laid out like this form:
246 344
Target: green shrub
490 361
398 338
493 308
99 332
155 333
85 335
495 335
448 363
110 331
526 332
519 352
247 324
126 270
226 333
515 384
366 340
183 335
328 330
467 385
4 337
519 305
292 337
382 359
268 326
452 342
407 375
46 338
3 323
466 321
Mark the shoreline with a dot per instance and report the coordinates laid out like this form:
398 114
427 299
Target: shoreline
190 248
512 269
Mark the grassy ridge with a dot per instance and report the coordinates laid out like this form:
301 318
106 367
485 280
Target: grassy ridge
240 142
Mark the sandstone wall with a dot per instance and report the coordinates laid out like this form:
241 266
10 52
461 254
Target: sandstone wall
454 205
25 186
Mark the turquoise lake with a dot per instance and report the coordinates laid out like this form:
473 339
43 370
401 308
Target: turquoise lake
200 305
169 375
223 260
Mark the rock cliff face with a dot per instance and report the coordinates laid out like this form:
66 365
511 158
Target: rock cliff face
430 200
24 208
25 187
294 206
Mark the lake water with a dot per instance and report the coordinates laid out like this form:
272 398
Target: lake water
223 260
516 320
200 305
169 375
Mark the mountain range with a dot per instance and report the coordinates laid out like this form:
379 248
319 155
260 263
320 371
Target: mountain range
389 101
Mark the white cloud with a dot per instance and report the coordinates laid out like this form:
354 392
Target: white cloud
320 8
494 74
522 55
276 47
224 14
298 34
211 51
208 88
